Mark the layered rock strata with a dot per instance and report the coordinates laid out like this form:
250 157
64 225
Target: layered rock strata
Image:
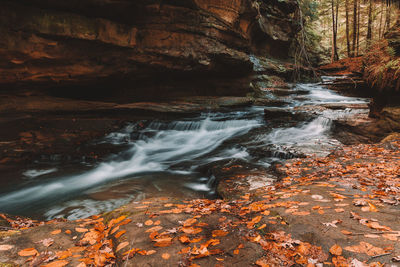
139 48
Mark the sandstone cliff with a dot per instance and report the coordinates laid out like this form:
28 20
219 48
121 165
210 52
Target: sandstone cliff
169 47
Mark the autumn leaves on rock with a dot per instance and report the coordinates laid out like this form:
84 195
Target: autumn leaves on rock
340 210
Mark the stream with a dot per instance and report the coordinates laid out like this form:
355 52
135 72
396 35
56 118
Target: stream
172 158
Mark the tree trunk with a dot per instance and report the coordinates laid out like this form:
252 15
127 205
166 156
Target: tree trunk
347 29
369 29
358 27
380 22
353 49
334 55
388 19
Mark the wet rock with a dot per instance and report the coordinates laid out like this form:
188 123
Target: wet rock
391 115
275 113
270 102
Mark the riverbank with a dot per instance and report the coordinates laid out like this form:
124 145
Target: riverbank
341 209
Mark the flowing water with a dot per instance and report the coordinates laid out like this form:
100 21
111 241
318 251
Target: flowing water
171 158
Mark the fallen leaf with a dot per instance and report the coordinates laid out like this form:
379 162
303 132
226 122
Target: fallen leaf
372 236
81 230
56 232
189 222
121 246
5 247
191 230
366 248
262 227
114 230
184 239
46 242
165 256
372 208
345 232
154 229
336 250
148 222
262 263
120 233
150 252
357 263
396 259
317 197
333 223
256 219
64 254
339 210
28 252
360 202
216 233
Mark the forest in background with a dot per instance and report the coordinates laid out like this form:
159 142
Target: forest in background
337 29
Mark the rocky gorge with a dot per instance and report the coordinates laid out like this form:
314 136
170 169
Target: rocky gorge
172 133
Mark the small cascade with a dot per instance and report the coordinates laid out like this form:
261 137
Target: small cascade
159 157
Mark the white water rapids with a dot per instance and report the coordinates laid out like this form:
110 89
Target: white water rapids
171 149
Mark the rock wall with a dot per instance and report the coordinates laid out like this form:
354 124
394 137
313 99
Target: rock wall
139 48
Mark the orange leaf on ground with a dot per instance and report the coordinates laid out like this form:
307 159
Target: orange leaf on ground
184 239
28 252
191 230
126 221
262 263
165 256
64 254
366 248
56 264
81 230
216 233
150 252
345 232
114 230
256 219
68 232
120 233
336 250
189 222
154 229
148 222
163 244
131 252
262 227
372 208
121 246
56 232
195 240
